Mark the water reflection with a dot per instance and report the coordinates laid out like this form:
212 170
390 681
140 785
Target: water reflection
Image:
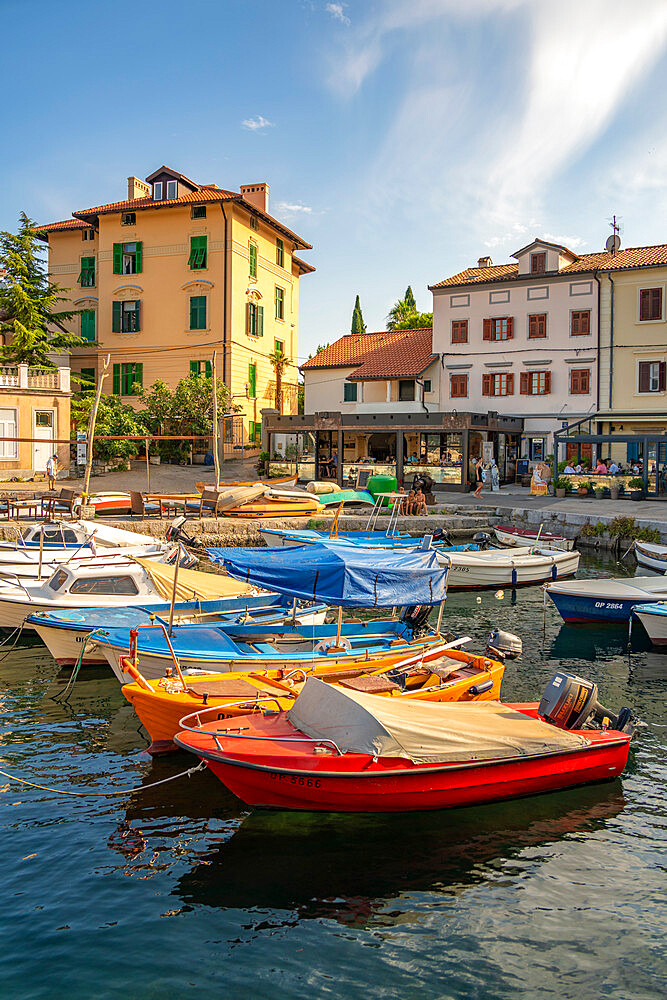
347 868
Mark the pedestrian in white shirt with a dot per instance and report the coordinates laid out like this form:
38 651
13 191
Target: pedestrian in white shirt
52 471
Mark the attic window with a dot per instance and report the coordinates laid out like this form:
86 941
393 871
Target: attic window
198 212
172 190
128 219
253 222
538 263
157 191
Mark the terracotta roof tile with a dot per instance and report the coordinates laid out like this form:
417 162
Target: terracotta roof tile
351 349
622 260
406 355
54 227
134 204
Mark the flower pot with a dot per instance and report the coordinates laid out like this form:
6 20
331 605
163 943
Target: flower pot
582 492
637 495
613 494
560 493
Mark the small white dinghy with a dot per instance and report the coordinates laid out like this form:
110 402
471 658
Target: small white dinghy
509 535
654 619
507 567
652 556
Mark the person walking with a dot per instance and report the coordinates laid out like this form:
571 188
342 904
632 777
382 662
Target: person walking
52 471
479 475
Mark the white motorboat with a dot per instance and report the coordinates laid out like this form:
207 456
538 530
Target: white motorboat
509 535
654 619
118 584
507 567
600 600
653 556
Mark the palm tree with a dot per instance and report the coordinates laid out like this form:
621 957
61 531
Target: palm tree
278 362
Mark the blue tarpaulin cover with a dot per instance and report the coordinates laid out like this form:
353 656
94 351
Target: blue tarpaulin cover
349 577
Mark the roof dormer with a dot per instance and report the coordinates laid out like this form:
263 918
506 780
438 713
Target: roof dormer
542 257
167 184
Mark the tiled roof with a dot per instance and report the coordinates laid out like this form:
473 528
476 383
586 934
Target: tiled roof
134 204
407 355
303 265
54 227
622 260
350 349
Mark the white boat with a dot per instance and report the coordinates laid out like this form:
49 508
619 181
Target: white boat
118 584
605 600
654 619
508 535
653 556
507 567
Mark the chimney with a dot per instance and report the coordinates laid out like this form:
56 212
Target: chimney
484 262
137 188
257 195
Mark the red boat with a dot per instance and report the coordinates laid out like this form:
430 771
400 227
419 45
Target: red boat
343 751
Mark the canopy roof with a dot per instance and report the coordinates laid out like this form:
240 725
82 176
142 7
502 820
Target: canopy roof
346 576
423 732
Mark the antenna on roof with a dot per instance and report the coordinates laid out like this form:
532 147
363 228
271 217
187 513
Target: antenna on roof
614 241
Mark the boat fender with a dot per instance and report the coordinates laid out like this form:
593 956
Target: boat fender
554 572
515 576
481 688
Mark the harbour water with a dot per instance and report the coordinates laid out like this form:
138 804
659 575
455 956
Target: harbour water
179 891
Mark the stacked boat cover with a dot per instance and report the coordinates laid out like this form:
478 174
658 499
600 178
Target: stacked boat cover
191 584
423 732
348 577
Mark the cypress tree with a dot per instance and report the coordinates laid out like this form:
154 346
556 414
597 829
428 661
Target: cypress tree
409 300
358 325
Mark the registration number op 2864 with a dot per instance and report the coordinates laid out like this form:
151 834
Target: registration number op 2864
612 605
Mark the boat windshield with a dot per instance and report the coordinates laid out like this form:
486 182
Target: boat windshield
57 580
105 585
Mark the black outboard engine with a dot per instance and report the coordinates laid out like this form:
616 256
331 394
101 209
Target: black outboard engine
571 702
416 617
482 539
440 535
175 533
508 645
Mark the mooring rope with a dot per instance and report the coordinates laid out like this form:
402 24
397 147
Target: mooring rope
124 791
64 694
17 632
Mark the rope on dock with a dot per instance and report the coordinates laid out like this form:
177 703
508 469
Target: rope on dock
124 791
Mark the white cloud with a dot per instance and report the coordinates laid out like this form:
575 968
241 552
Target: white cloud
255 124
337 11
296 208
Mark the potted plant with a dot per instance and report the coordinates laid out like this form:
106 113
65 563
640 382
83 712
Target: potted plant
599 492
583 488
561 486
614 490
636 487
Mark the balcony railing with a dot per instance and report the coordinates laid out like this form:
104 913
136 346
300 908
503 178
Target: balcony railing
24 377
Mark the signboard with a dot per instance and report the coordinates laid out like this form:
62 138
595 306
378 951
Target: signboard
488 452
522 467
81 448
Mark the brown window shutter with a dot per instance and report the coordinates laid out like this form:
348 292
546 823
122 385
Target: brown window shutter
523 383
657 303
586 380
547 382
575 382
510 327
510 384
644 306
487 383
586 322
644 372
661 376
488 330
464 385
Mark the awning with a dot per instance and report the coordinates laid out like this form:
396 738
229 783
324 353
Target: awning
341 576
191 584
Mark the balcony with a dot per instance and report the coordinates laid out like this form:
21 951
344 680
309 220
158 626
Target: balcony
17 377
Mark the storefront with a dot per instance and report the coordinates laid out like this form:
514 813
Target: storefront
444 446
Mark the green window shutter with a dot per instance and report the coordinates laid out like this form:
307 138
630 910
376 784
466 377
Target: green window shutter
194 368
279 253
252 260
88 324
208 368
248 318
139 373
140 258
116 379
137 315
116 320
260 321
118 258
252 376
197 258
280 303
197 312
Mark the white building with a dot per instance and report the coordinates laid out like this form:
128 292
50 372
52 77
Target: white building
521 339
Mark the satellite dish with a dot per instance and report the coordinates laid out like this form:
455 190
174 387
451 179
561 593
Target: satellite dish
613 243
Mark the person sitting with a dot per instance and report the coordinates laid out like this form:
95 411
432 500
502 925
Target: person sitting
578 468
409 502
568 470
600 468
613 469
420 503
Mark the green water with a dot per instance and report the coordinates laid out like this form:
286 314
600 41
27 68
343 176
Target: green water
179 891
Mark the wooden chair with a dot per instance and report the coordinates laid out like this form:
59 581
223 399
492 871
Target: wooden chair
54 506
209 501
142 507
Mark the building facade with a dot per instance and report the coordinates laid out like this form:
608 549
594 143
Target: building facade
34 418
177 271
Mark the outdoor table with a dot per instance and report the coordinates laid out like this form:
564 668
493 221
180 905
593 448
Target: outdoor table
31 507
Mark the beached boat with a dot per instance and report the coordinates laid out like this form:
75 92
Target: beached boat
507 567
654 619
280 481
610 600
509 535
122 583
345 751
652 556
68 633
106 504
442 674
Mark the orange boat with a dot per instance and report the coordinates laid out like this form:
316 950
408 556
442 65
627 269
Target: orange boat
269 507
439 674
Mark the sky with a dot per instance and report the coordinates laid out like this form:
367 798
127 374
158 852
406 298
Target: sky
402 138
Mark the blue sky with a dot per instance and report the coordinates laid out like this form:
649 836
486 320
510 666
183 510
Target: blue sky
402 138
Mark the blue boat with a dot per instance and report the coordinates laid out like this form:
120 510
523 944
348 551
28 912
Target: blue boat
610 600
286 537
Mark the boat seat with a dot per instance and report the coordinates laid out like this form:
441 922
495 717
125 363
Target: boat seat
225 687
370 685
443 670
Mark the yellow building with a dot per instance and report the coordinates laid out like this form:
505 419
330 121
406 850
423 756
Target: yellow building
176 271
34 419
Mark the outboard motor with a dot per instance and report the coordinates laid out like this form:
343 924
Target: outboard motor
571 702
175 533
482 539
416 617
440 535
508 645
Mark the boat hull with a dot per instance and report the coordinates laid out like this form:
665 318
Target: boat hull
524 536
578 609
389 786
652 556
654 623
471 571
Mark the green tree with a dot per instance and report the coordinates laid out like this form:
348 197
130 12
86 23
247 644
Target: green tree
186 410
358 325
29 318
113 417
278 362
320 347
409 299
415 321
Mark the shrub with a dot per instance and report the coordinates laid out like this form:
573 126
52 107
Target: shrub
636 483
562 483
594 530
623 527
649 535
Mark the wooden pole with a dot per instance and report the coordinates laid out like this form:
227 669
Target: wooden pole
173 593
91 425
216 457
41 552
148 470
